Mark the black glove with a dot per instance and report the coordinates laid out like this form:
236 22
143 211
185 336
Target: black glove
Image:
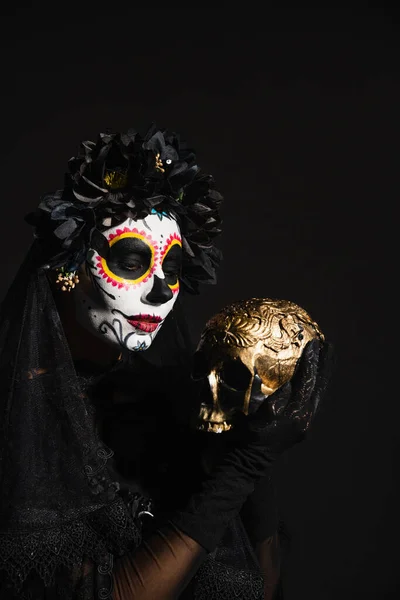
280 422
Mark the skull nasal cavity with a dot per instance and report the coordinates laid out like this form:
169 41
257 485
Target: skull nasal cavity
160 293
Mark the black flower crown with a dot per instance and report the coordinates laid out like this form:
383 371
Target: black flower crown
126 175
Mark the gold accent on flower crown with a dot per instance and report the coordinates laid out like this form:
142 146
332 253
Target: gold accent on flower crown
159 163
116 180
67 280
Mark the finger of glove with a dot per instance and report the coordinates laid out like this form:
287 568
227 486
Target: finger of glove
292 399
304 380
306 414
326 365
272 406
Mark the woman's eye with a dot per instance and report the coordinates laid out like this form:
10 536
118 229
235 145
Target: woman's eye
171 270
134 266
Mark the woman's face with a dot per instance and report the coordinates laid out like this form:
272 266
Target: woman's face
125 298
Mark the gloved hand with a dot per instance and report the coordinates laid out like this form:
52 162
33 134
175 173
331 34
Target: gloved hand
281 421
284 417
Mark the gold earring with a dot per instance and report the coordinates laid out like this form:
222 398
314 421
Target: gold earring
159 163
67 279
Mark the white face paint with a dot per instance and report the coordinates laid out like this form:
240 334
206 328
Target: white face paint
125 299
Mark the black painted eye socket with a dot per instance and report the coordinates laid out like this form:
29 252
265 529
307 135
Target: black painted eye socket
172 264
129 258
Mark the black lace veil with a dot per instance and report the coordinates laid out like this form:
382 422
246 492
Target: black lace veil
60 513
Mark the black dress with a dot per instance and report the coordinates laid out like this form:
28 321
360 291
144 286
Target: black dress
143 416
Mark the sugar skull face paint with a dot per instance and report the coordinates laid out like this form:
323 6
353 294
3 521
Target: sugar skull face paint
125 297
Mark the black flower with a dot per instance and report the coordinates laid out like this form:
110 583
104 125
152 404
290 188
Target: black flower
126 175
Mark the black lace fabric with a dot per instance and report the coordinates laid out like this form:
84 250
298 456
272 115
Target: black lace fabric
61 519
231 571
72 561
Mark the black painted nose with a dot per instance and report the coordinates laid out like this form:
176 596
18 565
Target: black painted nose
160 293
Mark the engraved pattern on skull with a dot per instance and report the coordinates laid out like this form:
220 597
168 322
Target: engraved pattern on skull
262 335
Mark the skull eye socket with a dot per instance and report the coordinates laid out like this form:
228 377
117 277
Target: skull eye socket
235 375
200 366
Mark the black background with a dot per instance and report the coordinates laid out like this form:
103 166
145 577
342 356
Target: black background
295 112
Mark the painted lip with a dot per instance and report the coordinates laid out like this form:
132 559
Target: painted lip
147 323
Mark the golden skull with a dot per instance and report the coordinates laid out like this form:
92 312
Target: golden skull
245 353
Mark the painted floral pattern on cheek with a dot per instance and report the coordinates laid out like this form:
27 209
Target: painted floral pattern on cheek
121 282
174 239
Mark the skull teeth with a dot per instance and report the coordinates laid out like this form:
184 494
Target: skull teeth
213 427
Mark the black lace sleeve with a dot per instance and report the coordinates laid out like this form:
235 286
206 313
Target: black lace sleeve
260 512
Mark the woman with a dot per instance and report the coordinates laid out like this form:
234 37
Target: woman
104 493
